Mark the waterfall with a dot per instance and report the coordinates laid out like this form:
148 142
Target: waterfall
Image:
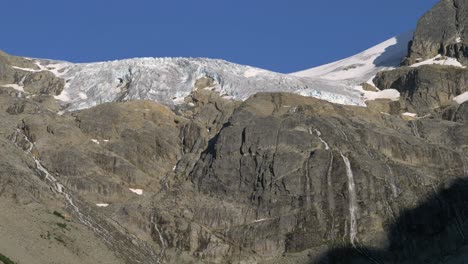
319 135
161 239
58 187
415 129
393 182
352 200
144 252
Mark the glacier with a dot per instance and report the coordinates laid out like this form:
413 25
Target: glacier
170 80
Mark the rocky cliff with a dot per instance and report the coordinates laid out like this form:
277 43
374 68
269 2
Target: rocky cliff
444 31
275 178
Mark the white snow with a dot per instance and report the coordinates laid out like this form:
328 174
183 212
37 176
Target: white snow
102 205
391 94
170 80
14 86
410 114
371 81
137 191
63 97
58 68
82 96
439 60
461 98
458 40
26 69
95 141
262 220
361 67
253 72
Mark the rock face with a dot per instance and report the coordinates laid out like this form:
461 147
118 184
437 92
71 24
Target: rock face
291 162
425 89
27 77
443 30
277 178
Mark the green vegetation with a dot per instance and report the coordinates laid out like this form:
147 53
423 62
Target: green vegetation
6 260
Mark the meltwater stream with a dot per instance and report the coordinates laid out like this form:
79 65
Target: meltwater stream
56 185
107 235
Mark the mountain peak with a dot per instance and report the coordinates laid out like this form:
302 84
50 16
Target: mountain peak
442 30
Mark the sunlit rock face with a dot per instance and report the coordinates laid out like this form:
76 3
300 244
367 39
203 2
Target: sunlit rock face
181 160
443 30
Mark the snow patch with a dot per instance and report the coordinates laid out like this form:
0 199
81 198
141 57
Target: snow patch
102 205
137 191
461 98
391 94
439 60
252 72
64 97
26 69
82 96
261 220
14 86
95 141
57 68
361 67
410 114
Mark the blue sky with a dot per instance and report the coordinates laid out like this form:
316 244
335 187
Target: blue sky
280 35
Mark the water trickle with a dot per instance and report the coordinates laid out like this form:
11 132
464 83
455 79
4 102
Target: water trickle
353 207
415 129
98 227
392 182
161 239
56 185
319 134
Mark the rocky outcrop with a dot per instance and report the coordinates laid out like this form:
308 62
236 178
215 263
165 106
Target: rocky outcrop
443 30
286 158
425 89
25 74
278 178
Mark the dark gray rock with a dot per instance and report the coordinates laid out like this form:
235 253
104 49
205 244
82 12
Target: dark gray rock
443 30
425 89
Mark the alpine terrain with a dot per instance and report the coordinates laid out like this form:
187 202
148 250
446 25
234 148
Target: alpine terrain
191 160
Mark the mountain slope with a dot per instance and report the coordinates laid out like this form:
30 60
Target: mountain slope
193 176
363 66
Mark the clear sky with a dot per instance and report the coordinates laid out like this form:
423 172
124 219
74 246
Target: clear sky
280 35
